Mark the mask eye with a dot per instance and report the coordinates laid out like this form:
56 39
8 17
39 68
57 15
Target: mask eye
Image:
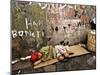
67 43
61 42
79 24
56 29
64 27
69 25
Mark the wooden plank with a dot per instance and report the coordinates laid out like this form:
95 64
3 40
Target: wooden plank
49 62
76 49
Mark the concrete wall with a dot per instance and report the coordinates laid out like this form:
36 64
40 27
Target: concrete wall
69 23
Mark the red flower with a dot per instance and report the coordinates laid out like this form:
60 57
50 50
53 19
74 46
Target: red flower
35 56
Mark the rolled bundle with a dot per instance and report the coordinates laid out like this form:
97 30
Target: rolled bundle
91 42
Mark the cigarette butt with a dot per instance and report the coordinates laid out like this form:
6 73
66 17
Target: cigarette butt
22 58
15 61
28 57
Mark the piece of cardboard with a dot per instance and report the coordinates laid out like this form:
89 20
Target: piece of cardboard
76 50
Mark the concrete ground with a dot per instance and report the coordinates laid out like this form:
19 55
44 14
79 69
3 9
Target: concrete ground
83 62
